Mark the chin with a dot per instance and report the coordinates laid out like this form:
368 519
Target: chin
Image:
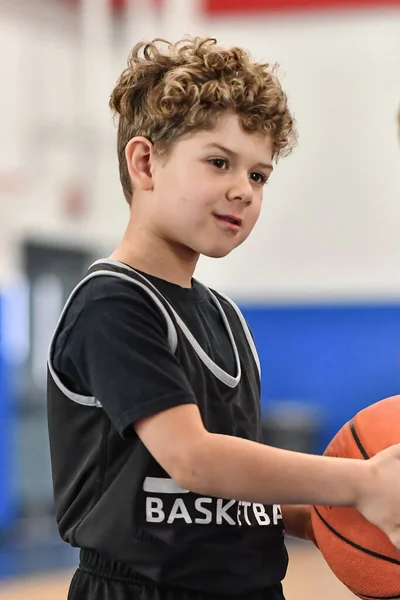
216 252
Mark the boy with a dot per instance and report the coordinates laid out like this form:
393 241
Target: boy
153 393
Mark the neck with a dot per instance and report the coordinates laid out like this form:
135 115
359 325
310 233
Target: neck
143 250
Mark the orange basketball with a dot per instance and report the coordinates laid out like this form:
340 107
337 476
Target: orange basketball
359 553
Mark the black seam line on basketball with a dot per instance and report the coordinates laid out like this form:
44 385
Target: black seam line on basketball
357 440
357 546
377 597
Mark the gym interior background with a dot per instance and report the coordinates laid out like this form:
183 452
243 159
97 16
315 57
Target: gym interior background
319 280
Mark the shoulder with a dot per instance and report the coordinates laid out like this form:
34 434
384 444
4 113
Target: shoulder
111 284
114 308
113 293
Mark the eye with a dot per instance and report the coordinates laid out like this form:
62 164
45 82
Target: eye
259 178
220 163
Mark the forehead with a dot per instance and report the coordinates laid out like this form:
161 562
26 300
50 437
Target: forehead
228 132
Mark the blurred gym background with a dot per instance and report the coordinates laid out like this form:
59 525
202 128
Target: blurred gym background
319 281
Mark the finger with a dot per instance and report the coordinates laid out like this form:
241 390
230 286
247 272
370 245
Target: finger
395 539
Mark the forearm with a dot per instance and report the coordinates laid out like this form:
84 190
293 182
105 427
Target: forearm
231 467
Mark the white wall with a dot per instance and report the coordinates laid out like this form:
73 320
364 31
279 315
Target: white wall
331 218
330 223
52 133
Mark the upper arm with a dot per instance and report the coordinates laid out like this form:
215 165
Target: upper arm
117 346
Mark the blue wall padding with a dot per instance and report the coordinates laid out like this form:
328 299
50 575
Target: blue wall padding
7 429
340 357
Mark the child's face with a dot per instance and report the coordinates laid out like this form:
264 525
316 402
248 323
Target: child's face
208 192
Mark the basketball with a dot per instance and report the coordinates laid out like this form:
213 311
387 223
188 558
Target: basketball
359 553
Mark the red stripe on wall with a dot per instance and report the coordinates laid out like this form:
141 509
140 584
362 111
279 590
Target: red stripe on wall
248 6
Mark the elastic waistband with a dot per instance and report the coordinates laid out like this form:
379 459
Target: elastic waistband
96 564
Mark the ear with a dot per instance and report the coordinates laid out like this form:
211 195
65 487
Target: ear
138 155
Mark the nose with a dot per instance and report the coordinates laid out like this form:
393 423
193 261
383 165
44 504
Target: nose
240 190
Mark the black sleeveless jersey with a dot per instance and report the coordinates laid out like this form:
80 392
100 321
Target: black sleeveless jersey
127 346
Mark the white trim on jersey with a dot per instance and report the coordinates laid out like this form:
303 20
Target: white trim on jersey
162 485
245 328
222 375
216 370
172 335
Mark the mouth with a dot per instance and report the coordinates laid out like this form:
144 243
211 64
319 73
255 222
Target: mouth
235 222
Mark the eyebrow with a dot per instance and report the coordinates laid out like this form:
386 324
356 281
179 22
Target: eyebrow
267 166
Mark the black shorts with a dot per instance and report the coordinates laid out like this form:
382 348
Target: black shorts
97 579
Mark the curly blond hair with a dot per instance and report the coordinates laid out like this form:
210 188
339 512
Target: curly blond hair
163 95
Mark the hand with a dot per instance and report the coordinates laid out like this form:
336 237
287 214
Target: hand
297 520
379 499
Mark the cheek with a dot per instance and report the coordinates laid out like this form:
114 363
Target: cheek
197 200
251 220
255 212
